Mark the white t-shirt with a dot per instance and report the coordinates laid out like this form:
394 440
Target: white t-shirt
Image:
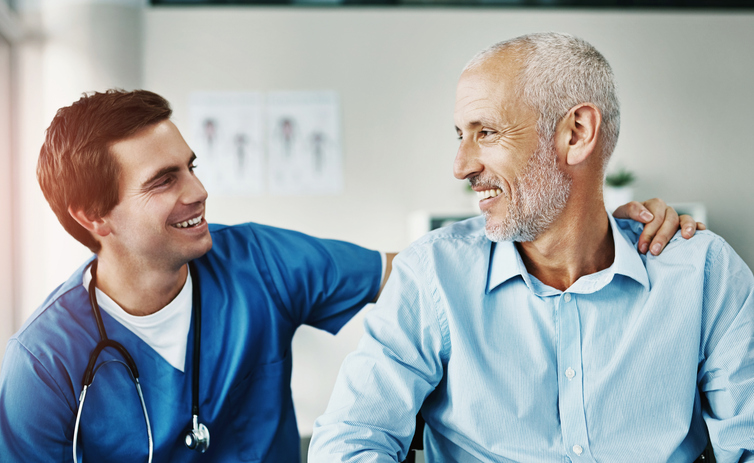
166 330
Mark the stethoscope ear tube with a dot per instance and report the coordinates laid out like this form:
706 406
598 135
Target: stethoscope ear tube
82 398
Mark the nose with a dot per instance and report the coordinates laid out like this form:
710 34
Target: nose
194 191
467 162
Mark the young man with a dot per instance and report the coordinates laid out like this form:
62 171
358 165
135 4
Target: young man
202 314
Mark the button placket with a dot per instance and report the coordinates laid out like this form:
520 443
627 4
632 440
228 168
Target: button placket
570 385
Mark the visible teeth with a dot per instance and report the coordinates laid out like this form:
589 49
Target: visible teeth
488 193
188 223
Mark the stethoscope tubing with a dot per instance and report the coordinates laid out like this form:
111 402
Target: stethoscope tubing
130 365
82 397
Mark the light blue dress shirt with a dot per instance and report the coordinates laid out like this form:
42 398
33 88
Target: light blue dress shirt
626 365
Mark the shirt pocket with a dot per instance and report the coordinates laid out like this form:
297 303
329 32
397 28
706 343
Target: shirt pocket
259 403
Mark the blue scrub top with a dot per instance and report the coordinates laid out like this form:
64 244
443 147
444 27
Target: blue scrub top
258 284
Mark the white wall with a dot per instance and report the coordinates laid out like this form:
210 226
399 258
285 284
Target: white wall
6 257
685 81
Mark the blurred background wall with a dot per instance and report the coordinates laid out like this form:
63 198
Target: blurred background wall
7 314
685 83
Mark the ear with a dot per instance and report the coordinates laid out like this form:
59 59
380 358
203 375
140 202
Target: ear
95 225
577 133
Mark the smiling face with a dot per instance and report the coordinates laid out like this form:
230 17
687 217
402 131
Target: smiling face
522 190
159 220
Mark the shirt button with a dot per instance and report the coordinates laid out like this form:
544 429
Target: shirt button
570 373
577 449
567 297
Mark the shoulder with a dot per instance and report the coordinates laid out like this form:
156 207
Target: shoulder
54 341
469 232
703 243
448 246
62 307
254 233
275 247
705 247
237 241
705 262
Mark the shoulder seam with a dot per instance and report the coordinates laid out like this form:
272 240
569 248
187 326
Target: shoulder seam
61 393
39 311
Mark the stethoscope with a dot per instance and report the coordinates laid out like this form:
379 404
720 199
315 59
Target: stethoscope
196 438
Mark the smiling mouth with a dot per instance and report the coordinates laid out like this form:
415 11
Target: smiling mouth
188 223
486 194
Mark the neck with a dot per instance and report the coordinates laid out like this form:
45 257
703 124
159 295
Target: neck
579 243
139 290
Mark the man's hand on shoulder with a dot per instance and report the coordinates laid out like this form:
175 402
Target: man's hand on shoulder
660 223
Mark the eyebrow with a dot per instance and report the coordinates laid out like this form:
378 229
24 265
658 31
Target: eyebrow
167 170
472 124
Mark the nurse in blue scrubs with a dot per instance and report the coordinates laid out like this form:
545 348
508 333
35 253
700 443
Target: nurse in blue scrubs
205 312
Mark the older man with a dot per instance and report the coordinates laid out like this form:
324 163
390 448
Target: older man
540 333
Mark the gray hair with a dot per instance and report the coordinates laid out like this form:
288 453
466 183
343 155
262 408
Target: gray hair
559 72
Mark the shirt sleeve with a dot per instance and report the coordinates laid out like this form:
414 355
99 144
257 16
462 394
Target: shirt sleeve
321 282
381 386
726 374
36 422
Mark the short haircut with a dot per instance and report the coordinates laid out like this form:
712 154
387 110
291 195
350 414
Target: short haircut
76 167
560 71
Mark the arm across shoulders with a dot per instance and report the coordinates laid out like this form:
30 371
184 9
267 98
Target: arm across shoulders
320 282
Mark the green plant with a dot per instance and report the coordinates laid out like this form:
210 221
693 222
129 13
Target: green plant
619 178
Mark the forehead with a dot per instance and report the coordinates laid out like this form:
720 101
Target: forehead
490 91
150 149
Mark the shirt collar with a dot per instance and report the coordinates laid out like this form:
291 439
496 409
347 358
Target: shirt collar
628 261
506 263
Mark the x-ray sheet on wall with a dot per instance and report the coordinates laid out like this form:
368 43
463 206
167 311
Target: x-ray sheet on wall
303 139
227 137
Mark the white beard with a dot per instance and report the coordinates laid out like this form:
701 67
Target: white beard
541 193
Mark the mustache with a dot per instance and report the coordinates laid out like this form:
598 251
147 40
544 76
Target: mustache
486 182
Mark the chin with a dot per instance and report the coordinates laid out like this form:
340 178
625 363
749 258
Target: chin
200 250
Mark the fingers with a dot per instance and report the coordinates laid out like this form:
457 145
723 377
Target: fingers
636 211
689 226
665 232
660 223
649 240
653 214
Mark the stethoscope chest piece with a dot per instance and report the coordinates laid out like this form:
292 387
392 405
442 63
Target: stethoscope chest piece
198 437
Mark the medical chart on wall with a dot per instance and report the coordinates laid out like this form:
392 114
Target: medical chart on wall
227 137
280 143
303 135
